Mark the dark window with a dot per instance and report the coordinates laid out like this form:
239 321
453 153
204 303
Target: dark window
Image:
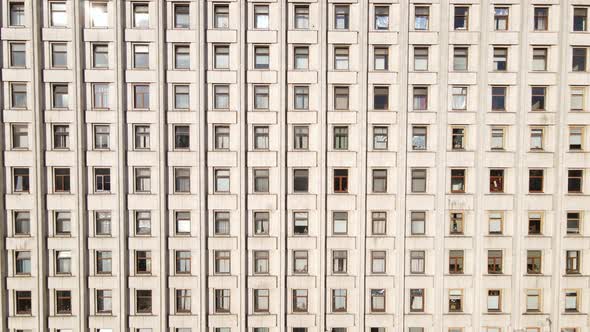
340 180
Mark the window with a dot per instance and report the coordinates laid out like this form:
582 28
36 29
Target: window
380 137
261 300
500 59
183 301
100 56
494 261
575 178
20 136
535 223
261 137
61 136
261 180
17 14
301 97
102 180
22 262
63 222
457 181
571 301
222 180
102 221
459 95
182 180
61 178
300 262
456 223
541 18
381 17
379 181
181 137
341 16
380 98
577 97
181 16
501 18
417 262
378 261
222 137
59 55
420 98
499 98
20 180
182 222
341 56
494 300
23 302
261 57
221 97
495 221
60 96
580 19
300 180
339 223
496 180
143 223
377 300
142 96
301 57
143 300
261 96
579 58
104 262
101 136
58 13
458 138
461 21
261 223
261 262
540 59
299 300
18 95
340 180
537 138
98 14
301 220
338 302
143 262
341 97
63 262
497 138
381 58
221 16
221 223
63 302
182 57
421 17
533 303
533 261
181 97
183 262
142 180
300 137
418 180
100 94
221 53
339 261
417 300
142 136
417 222
456 261
538 96
222 300
572 261
420 58
261 17
301 17
573 223
341 138
104 301
576 135
141 15
536 180
141 56
460 56
455 300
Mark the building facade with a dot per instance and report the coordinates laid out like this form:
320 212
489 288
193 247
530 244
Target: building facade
301 166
